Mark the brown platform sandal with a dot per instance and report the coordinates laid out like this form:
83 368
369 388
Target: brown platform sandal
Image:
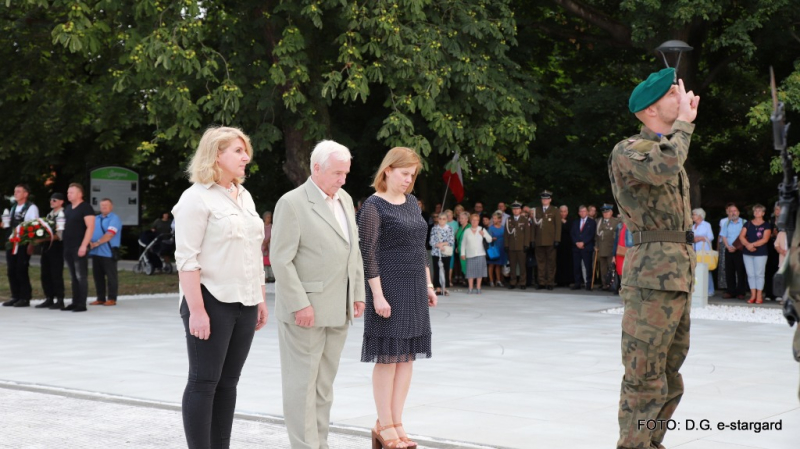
379 443
409 443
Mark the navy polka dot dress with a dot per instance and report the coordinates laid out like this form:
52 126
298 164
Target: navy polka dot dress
392 241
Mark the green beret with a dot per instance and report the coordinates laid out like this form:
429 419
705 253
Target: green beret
651 90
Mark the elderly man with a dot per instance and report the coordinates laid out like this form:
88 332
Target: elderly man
651 188
734 260
319 289
582 233
17 262
106 239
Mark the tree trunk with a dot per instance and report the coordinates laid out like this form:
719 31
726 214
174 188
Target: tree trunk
298 154
300 142
695 196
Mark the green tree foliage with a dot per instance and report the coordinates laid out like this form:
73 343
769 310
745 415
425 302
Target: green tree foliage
589 54
532 94
440 71
58 114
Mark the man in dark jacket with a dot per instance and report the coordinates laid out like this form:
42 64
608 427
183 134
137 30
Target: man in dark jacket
582 233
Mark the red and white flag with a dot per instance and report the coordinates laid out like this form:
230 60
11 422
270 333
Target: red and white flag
454 179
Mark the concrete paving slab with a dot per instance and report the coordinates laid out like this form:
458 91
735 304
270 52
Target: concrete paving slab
516 369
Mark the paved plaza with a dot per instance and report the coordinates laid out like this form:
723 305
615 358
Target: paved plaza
510 369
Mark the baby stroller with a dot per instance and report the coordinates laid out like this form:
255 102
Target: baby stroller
150 260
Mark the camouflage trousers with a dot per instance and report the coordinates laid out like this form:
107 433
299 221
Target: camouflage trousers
655 341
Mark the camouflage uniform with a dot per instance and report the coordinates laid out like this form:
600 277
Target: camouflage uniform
794 288
651 189
604 245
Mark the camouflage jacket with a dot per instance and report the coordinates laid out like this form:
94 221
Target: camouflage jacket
651 189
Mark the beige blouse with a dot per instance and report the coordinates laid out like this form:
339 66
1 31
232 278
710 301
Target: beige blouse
221 238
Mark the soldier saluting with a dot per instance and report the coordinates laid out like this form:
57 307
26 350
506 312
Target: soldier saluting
651 189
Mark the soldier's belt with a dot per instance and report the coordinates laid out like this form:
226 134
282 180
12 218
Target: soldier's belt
686 237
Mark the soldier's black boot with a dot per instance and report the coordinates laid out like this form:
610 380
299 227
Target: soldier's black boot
58 305
10 302
22 303
46 304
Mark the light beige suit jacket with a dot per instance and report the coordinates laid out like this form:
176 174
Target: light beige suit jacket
313 262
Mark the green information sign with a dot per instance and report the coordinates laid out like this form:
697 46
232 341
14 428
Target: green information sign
121 186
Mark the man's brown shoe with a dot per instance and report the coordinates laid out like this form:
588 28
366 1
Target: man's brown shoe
97 303
111 302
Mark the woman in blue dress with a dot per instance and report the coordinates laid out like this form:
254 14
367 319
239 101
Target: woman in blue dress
496 265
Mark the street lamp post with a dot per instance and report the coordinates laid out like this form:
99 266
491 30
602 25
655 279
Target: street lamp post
674 46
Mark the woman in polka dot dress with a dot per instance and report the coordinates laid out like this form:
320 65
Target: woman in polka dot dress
397 327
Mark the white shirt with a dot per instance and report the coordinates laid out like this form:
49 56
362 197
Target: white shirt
472 244
335 205
31 214
703 230
222 239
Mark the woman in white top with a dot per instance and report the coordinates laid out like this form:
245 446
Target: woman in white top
218 236
473 252
703 236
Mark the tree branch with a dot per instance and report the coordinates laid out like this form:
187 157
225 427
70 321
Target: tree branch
718 68
618 31
555 31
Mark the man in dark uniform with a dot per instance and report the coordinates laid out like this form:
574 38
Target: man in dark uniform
547 234
517 237
651 188
18 256
606 227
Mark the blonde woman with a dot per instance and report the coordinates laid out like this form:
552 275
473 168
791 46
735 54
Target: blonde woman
218 236
397 327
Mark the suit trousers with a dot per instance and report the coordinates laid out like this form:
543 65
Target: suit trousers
78 271
582 257
517 261
605 263
309 362
102 268
53 271
17 269
214 369
655 342
735 273
546 261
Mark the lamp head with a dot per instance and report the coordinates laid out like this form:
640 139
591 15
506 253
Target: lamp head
670 47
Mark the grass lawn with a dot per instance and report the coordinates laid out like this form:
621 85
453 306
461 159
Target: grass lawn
130 283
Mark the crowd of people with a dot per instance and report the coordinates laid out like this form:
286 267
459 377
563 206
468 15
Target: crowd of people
539 246
588 251
75 235
79 235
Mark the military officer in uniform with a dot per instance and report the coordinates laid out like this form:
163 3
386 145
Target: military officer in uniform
547 235
517 237
651 189
604 239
